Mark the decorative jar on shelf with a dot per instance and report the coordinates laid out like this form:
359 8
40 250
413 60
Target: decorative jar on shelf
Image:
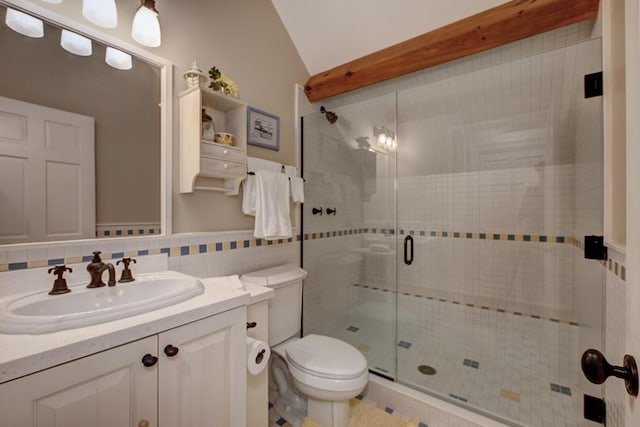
208 130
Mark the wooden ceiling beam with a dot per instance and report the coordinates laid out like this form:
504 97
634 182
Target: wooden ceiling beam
512 21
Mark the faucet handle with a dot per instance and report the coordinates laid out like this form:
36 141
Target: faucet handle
60 284
126 272
96 256
59 270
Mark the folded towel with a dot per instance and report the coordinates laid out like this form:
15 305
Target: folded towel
297 189
257 281
235 282
273 219
249 195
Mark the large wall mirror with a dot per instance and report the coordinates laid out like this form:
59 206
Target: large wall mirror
83 142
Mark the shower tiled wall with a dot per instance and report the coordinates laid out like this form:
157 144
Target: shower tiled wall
334 179
525 201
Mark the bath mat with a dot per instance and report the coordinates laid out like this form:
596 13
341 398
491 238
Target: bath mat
365 415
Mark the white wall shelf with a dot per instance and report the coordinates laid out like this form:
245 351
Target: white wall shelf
205 165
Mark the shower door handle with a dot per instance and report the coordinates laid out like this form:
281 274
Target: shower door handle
408 247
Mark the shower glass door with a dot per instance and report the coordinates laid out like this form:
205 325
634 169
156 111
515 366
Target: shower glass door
499 180
444 225
349 228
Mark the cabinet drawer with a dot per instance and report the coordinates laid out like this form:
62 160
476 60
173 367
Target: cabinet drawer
222 169
222 152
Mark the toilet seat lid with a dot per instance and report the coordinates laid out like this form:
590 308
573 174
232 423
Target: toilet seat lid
326 357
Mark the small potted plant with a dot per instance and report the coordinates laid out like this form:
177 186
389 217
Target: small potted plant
222 83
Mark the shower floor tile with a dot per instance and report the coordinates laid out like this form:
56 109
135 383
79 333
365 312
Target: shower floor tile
495 361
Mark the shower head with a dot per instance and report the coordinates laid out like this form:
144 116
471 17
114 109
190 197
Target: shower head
330 115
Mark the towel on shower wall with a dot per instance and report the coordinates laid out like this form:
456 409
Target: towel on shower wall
297 189
249 195
273 218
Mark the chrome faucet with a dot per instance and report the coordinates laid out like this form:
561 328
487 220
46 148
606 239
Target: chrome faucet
96 268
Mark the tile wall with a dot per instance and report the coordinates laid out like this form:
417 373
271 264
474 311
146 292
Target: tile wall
198 254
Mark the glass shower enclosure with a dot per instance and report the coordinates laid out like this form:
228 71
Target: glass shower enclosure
444 225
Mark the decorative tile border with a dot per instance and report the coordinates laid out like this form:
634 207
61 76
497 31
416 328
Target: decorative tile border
175 251
471 305
128 230
614 266
541 238
338 233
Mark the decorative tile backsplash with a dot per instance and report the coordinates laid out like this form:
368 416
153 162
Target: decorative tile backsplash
198 254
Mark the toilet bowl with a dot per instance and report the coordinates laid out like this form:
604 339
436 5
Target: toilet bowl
316 375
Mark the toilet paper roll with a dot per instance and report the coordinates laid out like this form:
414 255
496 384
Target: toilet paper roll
258 353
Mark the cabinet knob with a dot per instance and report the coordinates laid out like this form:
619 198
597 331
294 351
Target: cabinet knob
148 360
226 166
143 423
225 151
171 351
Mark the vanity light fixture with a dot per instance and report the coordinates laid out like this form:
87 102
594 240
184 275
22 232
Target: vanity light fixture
24 24
75 43
53 1
146 27
100 12
118 59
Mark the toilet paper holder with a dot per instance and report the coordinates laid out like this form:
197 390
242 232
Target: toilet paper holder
260 356
258 353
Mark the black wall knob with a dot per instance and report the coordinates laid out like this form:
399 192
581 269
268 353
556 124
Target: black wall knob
597 369
149 360
316 211
331 211
171 351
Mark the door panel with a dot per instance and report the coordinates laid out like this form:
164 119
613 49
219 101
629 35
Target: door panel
108 389
56 149
204 383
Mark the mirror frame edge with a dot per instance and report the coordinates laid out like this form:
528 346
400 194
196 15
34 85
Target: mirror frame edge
166 116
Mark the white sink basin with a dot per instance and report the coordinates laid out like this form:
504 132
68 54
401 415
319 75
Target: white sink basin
38 312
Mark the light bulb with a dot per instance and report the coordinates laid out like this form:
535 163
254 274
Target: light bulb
118 59
146 27
24 24
75 43
381 138
389 141
100 12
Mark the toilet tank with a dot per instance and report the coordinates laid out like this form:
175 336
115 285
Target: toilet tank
285 308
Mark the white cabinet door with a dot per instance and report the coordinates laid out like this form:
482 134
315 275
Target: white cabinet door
47 174
204 384
108 389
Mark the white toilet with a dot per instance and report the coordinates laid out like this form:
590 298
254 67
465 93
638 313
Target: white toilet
315 375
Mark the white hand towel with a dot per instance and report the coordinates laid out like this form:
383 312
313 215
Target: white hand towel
273 219
297 189
235 282
249 195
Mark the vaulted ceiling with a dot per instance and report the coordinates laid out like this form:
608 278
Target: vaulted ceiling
328 33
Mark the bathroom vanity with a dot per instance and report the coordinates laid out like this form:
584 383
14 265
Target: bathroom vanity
182 365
